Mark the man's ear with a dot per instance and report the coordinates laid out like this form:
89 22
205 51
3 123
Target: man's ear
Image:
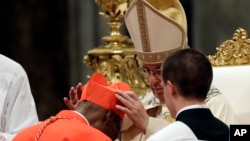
172 88
110 115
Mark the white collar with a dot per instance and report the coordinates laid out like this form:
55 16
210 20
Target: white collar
196 106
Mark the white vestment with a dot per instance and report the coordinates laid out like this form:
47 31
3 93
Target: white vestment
190 124
18 108
177 131
215 101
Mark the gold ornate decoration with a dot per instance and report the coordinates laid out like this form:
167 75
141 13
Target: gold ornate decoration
233 52
116 59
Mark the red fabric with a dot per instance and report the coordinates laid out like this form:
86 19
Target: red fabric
98 91
65 126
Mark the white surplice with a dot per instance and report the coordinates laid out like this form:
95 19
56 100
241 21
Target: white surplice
17 104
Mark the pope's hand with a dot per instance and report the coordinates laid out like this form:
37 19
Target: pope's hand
133 108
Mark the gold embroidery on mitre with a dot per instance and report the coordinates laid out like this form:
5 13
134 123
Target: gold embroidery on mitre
143 26
155 57
144 33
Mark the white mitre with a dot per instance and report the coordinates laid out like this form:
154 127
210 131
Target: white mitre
157 28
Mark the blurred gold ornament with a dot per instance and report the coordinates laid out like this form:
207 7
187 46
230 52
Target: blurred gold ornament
169 118
116 59
233 52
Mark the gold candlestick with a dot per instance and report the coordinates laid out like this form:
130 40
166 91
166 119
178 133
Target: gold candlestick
116 59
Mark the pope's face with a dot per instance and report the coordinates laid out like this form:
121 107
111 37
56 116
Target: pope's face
154 79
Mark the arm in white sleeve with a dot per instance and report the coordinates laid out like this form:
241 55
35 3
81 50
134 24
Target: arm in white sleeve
154 125
220 106
18 106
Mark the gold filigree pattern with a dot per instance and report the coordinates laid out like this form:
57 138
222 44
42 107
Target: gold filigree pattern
233 52
117 65
169 118
113 9
116 59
